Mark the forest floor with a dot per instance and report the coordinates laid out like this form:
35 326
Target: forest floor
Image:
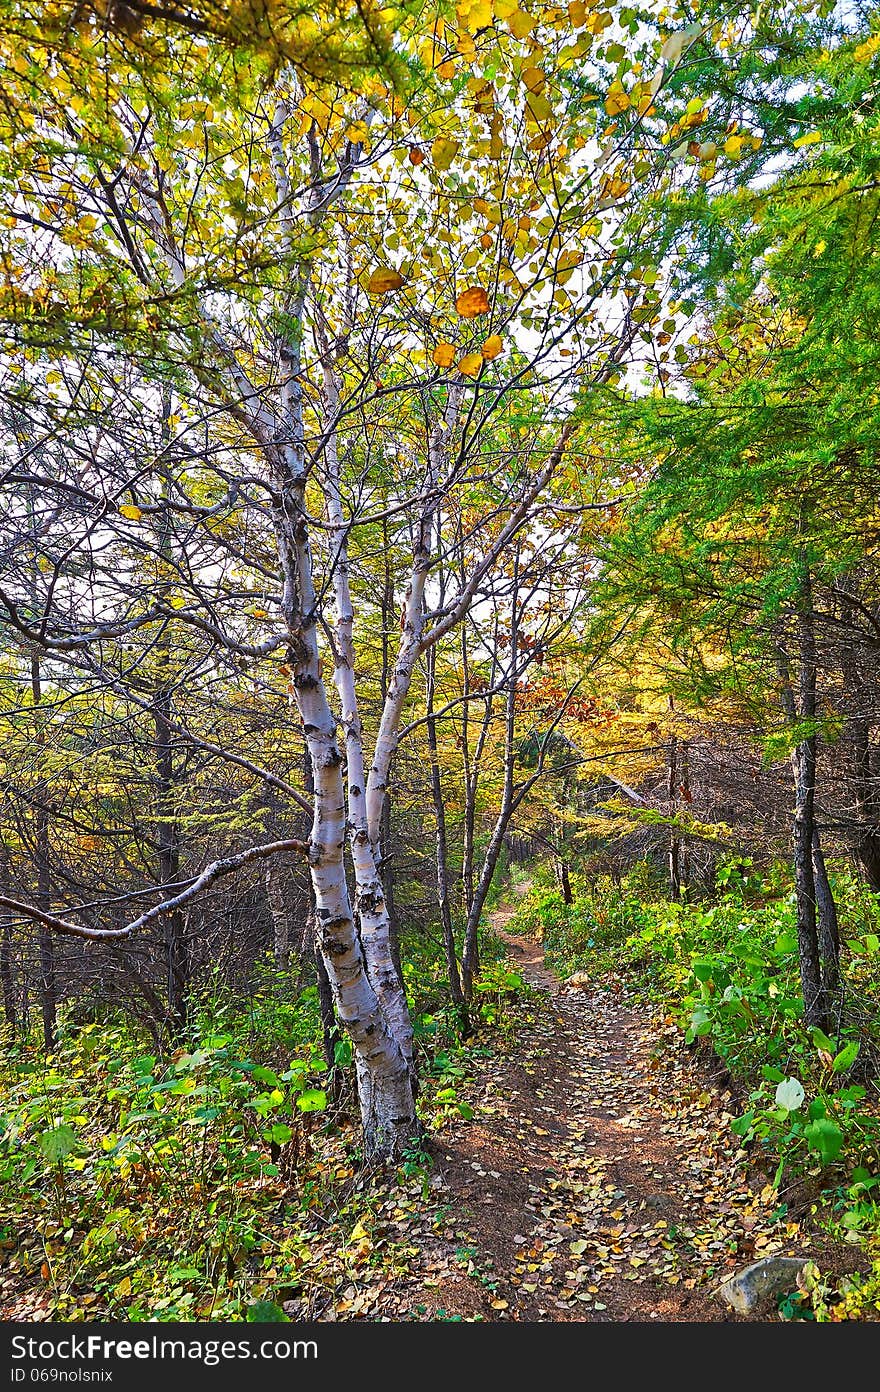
599 1179
592 1177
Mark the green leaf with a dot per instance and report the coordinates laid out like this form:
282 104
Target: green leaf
265 1075
847 1057
772 1073
279 1133
56 1145
826 1137
265 1312
466 1111
821 1040
790 1095
742 1124
312 1101
785 943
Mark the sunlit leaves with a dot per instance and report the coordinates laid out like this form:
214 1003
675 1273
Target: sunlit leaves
471 364
472 302
443 152
383 280
443 355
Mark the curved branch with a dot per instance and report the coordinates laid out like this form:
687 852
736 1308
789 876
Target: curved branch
227 866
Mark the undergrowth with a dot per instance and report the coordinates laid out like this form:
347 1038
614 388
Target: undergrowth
223 1176
726 969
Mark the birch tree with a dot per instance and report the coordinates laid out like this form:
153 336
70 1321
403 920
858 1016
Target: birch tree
344 266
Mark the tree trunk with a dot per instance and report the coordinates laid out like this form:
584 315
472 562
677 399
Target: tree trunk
278 915
386 866
685 789
565 883
672 779
330 1033
471 956
863 777
177 969
828 927
48 986
804 767
455 990
803 763
7 969
385 1085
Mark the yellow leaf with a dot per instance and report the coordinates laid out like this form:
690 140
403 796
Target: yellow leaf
124 1287
520 24
259 613
534 79
89 223
475 15
733 146
358 133
617 99
496 144
382 280
811 138
577 13
443 152
504 8
538 107
472 302
492 348
52 378
130 511
443 355
470 365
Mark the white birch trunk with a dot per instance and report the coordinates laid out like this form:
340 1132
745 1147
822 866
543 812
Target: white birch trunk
370 904
412 624
385 1090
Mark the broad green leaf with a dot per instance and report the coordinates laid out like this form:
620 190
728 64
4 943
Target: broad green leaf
847 1057
825 1137
312 1101
57 1144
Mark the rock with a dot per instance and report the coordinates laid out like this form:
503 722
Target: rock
661 1203
578 982
764 1280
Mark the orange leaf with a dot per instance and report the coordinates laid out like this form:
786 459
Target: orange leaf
492 348
470 366
383 280
472 302
443 355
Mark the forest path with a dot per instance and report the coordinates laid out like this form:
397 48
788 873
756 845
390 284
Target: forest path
599 1179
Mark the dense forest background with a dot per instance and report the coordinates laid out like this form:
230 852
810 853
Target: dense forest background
439 444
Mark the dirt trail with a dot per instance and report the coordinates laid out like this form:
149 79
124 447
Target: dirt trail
599 1180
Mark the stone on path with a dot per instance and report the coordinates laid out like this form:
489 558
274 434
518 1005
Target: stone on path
765 1280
